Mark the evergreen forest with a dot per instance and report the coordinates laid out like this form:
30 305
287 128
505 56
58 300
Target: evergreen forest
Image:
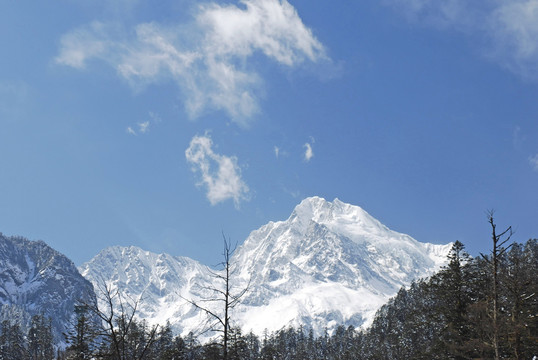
474 308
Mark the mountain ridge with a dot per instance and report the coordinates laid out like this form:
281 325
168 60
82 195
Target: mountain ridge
329 263
35 279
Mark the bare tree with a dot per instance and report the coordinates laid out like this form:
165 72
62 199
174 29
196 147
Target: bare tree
119 322
225 294
497 252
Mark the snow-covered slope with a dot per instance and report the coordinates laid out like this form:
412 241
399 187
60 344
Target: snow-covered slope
329 263
37 280
160 283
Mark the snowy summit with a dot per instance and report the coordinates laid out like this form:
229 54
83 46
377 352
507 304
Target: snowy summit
328 264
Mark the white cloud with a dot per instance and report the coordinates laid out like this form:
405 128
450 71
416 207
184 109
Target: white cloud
208 59
308 154
84 43
510 27
534 162
271 26
279 152
143 127
514 25
220 174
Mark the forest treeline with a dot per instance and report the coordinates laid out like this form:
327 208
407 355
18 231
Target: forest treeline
473 308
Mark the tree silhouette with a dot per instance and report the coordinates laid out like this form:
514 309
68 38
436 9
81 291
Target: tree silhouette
225 294
498 250
128 339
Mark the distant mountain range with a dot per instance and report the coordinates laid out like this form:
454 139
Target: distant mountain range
329 263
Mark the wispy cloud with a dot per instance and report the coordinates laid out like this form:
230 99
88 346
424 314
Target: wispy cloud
91 41
130 131
279 152
510 28
144 126
514 25
208 58
309 153
533 160
220 174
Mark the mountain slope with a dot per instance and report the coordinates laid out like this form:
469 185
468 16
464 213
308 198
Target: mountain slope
329 263
161 283
37 280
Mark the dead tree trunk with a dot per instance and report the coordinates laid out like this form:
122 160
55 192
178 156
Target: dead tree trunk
496 253
226 295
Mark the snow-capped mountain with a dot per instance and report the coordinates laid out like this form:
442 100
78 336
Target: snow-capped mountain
329 263
160 283
37 280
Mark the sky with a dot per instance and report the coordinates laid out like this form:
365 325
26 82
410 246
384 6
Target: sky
167 124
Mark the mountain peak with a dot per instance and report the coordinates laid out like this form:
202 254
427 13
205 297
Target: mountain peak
349 220
323 249
329 263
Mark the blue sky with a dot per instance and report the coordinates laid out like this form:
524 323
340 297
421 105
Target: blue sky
162 125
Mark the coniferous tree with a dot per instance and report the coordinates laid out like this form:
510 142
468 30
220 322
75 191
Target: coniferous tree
302 345
193 347
211 351
12 342
268 350
82 336
40 341
455 296
252 346
163 348
239 347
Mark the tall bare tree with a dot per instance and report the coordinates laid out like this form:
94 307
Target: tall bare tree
119 320
225 294
498 250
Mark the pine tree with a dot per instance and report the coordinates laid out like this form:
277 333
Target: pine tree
40 341
455 296
163 348
12 342
82 335
253 346
193 348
